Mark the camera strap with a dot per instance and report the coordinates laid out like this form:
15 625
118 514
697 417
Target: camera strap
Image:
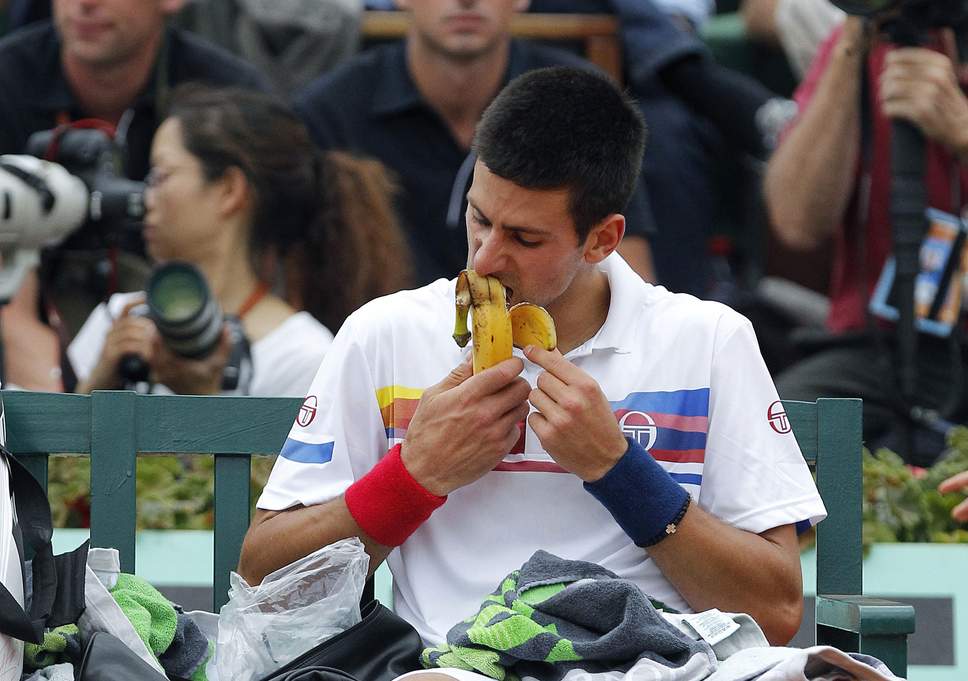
876 331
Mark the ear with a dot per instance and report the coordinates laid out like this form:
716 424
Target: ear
233 192
604 238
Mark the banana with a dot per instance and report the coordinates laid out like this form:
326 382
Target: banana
495 327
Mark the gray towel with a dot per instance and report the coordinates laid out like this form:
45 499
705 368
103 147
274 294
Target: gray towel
188 650
554 615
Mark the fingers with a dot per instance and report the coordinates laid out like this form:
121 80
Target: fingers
130 335
137 299
960 512
554 363
457 375
492 380
955 483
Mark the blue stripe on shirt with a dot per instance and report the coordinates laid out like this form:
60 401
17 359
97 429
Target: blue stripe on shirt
303 452
682 402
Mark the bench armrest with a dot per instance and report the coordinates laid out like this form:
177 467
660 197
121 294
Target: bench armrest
865 616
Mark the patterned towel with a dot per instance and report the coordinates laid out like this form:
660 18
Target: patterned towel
555 615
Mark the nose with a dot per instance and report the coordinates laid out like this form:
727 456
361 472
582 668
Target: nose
489 256
149 197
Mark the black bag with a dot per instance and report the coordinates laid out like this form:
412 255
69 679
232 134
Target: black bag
380 648
57 582
107 658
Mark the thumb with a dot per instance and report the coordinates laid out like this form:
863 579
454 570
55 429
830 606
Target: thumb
457 375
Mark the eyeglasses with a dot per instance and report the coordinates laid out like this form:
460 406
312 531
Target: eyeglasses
156 176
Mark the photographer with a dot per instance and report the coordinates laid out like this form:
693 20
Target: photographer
114 61
831 179
238 190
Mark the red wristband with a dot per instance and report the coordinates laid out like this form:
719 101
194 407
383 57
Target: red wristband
387 503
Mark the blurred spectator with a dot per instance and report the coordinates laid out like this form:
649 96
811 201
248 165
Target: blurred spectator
239 190
957 483
21 13
97 59
290 41
689 14
824 183
415 104
798 26
681 89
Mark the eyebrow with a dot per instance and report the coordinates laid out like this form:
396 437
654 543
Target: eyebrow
511 228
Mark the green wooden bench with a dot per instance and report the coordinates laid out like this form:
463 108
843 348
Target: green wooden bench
114 427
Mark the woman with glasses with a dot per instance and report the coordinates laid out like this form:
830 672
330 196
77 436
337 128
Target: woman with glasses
290 241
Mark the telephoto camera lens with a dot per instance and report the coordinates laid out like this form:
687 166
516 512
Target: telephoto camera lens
188 317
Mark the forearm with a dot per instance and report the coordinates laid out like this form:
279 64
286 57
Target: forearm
277 538
714 565
810 178
31 348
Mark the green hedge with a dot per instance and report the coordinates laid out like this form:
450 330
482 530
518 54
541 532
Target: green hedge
901 504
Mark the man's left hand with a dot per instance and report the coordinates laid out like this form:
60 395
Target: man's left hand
920 86
574 421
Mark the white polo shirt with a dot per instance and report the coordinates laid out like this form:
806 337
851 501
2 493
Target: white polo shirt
684 376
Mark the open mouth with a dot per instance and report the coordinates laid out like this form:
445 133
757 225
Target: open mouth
508 293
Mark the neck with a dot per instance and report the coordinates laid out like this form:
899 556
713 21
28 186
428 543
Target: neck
105 90
581 310
231 279
459 90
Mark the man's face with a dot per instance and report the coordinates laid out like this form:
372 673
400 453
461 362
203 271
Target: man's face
524 237
109 32
462 29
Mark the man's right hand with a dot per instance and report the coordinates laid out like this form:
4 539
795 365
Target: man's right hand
921 86
465 425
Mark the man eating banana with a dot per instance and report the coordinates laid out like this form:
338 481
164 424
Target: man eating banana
647 441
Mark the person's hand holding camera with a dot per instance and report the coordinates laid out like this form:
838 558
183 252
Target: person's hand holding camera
191 376
921 86
129 335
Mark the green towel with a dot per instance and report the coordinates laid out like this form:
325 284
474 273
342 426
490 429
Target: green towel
152 616
60 645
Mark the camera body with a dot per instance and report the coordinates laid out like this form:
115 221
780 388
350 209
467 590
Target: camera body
91 155
907 21
68 181
190 322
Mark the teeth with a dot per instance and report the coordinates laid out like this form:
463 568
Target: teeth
495 329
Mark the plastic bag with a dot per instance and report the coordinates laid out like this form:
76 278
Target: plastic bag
294 609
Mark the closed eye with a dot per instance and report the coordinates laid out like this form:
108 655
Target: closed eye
522 239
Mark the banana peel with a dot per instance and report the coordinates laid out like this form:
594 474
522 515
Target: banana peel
495 329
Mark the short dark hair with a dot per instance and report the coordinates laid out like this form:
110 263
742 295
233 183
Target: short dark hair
566 128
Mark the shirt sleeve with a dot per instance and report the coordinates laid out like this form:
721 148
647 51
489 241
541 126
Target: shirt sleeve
755 477
338 434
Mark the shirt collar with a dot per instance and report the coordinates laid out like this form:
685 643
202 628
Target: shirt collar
625 307
396 92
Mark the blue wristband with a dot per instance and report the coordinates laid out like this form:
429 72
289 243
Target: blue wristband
642 497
